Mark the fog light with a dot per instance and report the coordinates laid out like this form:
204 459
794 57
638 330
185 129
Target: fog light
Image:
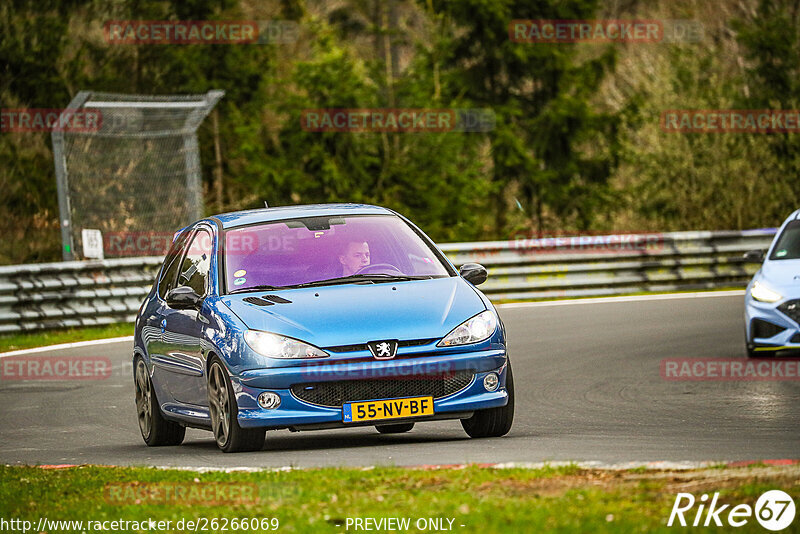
269 400
491 381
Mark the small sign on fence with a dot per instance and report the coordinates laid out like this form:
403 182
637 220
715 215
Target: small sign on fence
92 244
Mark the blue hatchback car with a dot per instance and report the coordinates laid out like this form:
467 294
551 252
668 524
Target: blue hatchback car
772 300
315 317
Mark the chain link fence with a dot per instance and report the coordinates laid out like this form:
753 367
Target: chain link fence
132 171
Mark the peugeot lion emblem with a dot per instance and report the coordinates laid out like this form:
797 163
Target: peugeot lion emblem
383 350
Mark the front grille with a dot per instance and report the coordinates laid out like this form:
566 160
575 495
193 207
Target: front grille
764 329
335 394
792 309
415 342
347 348
363 346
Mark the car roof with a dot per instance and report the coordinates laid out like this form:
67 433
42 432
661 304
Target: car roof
244 218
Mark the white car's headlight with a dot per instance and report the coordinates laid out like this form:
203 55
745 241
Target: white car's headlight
473 330
762 293
276 346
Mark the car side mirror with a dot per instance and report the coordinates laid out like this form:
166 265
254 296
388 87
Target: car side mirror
755 256
183 298
474 273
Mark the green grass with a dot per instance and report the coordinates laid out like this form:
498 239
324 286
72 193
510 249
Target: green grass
29 340
560 499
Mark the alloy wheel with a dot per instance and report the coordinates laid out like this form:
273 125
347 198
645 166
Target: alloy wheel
219 404
144 399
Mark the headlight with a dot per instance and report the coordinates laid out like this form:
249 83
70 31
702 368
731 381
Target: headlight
480 327
762 293
275 346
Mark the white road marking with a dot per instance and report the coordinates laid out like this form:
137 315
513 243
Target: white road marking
62 346
630 298
604 466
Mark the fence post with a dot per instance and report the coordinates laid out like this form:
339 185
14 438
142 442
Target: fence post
60 160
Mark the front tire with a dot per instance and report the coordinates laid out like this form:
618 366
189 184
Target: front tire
493 422
394 429
156 431
230 437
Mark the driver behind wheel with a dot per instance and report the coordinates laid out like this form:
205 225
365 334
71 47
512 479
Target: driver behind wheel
354 256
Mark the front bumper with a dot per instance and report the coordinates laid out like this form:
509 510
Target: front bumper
787 339
295 413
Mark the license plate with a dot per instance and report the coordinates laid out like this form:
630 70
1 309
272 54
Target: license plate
374 410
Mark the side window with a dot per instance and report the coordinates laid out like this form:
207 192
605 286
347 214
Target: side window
197 263
171 264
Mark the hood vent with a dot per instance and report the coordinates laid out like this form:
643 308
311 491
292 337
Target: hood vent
276 299
266 300
257 301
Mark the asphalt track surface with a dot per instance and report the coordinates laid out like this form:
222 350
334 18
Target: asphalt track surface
589 388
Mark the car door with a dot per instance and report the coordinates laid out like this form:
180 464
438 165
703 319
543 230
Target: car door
184 361
155 317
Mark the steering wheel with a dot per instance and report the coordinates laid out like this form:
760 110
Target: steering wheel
370 269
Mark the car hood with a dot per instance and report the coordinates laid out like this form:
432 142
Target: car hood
357 313
782 276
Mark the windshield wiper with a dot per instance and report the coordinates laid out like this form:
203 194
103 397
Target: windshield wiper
354 278
263 287
377 277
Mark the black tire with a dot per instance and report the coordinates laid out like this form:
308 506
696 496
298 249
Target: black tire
156 431
229 436
398 428
493 422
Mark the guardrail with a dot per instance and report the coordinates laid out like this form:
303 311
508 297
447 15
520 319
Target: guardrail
73 293
582 266
56 295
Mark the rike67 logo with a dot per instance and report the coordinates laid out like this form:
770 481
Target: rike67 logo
774 510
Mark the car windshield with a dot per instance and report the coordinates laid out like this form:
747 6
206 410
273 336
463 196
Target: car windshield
788 245
327 250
